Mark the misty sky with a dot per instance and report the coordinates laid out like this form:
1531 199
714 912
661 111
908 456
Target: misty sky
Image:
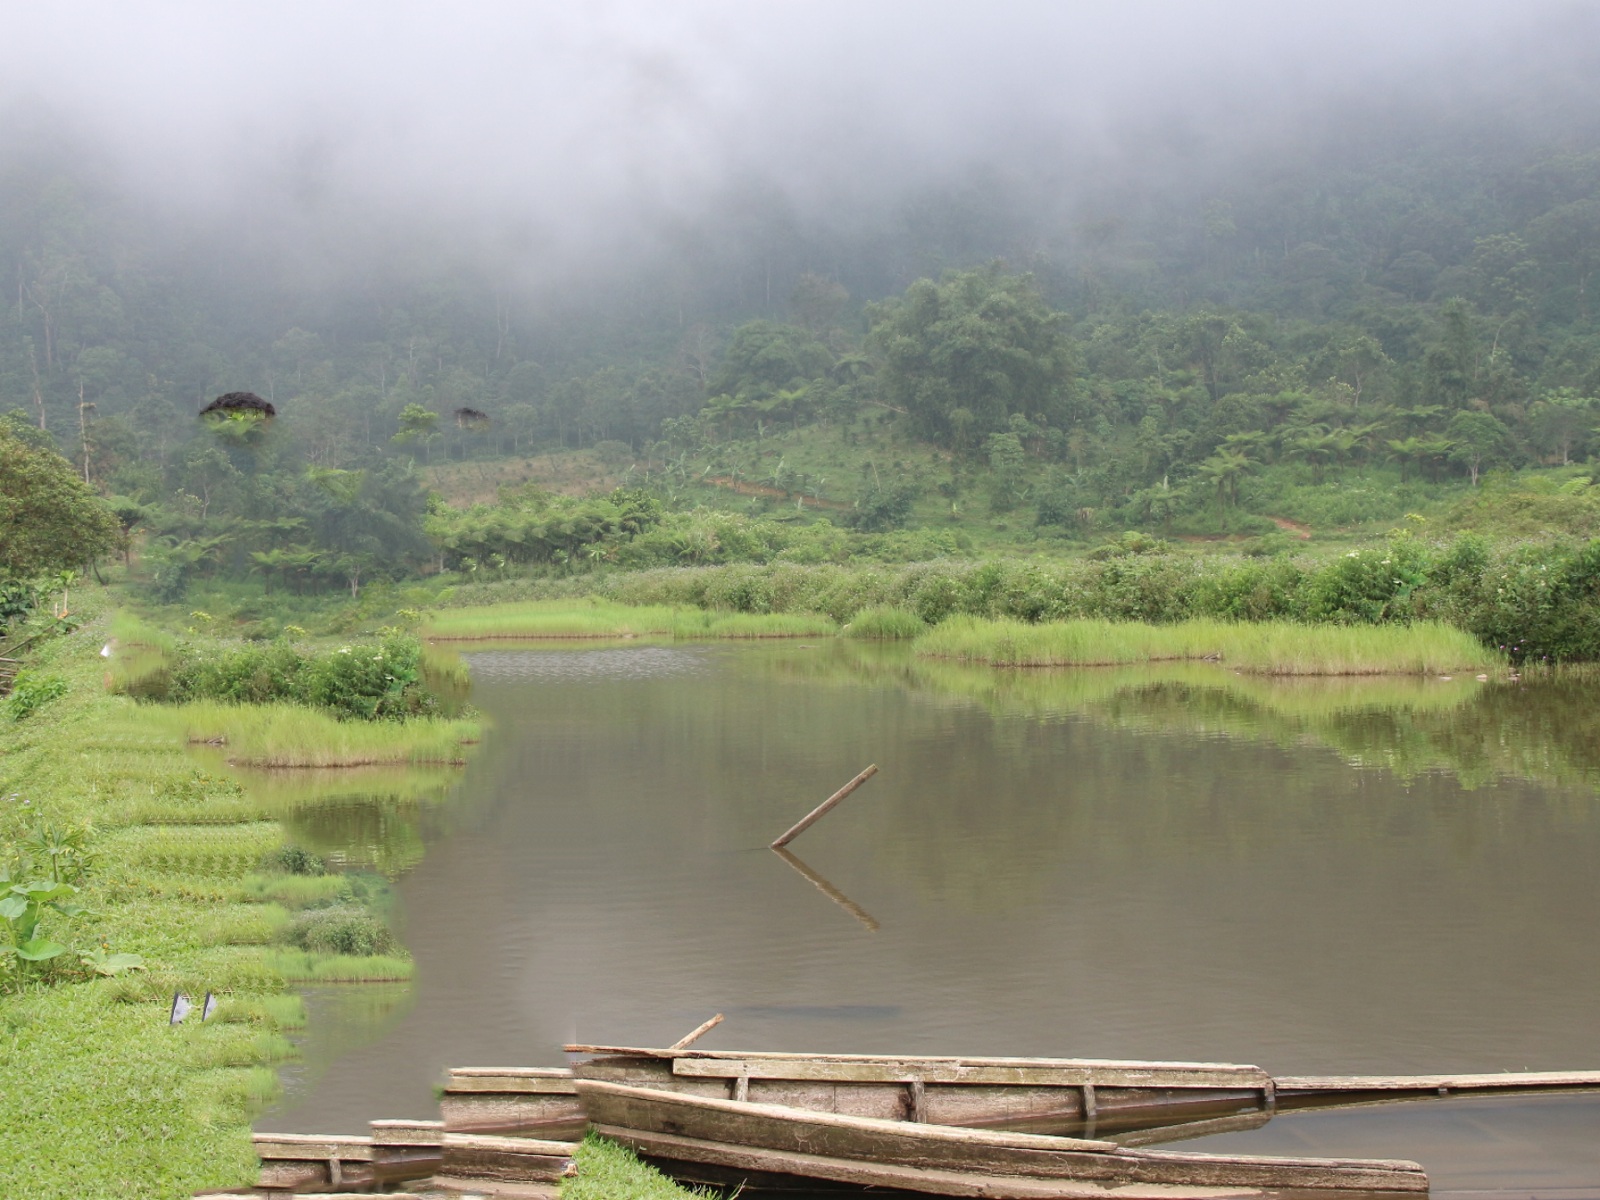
577 123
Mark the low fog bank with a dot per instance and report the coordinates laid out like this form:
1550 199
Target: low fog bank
553 146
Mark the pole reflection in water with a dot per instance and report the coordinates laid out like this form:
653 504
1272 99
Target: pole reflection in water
827 889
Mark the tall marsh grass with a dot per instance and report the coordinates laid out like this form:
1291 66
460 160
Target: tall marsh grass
600 619
551 619
288 735
691 625
1267 648
886 624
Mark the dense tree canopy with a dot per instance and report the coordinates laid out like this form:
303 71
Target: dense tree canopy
50 519
964 355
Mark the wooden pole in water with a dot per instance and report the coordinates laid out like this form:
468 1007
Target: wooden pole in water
822 810
698 1033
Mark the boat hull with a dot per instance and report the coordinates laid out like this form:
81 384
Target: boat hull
1040 1095
916 1157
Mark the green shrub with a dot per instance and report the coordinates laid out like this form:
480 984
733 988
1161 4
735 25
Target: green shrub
363 681
1367 586
31 691
341 929
295 860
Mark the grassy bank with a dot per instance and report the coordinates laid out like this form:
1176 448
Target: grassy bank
178 863
1270 648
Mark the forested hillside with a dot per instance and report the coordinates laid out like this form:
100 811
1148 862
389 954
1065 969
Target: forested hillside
1356 320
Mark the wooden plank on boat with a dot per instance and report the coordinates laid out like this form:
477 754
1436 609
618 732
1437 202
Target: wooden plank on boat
524 1080
406 1133
1501 1081
311 1146
296 1160
508 1159
611 1097
971 1071
689 1151
982 1152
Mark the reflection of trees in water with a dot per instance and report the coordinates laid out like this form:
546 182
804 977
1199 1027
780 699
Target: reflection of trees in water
995 809
371 818
377 833
1539 731
1087 770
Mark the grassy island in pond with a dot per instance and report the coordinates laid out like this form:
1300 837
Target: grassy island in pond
1267 648
580 619
1264 647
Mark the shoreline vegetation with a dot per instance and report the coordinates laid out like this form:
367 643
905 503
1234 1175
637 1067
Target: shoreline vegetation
186 879
1256 647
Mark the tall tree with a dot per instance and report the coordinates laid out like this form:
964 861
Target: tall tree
983 341
49 518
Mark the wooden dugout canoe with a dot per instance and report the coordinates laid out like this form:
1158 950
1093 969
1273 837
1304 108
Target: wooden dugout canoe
1015 1093
693 1134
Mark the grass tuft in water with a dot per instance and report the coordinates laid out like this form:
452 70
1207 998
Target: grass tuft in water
1267 648
551 619
692 624
600 619
886 624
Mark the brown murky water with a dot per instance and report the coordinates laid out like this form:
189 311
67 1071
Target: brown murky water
1342 877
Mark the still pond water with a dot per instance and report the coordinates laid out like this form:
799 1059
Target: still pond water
1315 877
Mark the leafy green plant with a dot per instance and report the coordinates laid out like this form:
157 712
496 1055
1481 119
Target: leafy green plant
22 907
31 691
63 850
102 962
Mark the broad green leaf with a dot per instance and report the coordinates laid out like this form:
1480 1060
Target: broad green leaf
13 907
45 892
40 949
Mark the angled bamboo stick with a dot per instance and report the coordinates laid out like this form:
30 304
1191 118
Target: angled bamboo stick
697 1033
822 810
